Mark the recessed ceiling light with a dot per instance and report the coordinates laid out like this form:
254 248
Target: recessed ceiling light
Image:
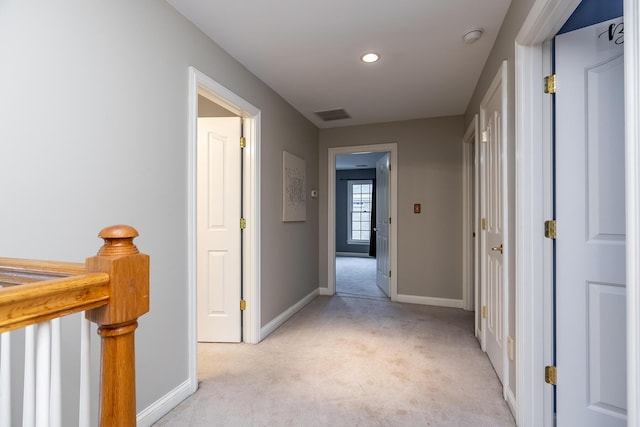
370 57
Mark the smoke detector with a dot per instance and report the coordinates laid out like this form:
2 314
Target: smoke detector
472 35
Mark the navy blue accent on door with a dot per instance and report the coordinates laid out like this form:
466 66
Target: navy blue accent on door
342 198
591 12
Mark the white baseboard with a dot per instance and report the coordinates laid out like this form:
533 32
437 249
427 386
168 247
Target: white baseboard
511 402
354 254
440 302
278 321
325 291
164 405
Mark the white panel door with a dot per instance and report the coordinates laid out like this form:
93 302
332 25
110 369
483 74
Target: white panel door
491 117
382 224
590 213
218 229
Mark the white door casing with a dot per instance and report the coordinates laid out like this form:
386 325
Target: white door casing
470 221
392 148
218 229
533 282
590 247
382 224
495 210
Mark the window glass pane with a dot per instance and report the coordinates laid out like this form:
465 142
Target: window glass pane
360 205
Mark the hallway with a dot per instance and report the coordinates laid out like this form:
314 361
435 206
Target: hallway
350 361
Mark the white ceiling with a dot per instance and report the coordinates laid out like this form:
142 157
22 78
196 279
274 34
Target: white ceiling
308 51
358 160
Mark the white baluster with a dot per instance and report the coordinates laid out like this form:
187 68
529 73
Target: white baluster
84 415
29 394
5 379
56 388
43 374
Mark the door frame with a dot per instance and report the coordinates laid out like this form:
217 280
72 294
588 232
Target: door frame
199 83
470 165
534 279
392 148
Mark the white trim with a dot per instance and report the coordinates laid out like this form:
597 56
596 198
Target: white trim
531 250
632 139
511 400
392 148
286 315
350 184
545 19
200 83
439 302
469 142
481 331
325 292
534 280
354 254
164 405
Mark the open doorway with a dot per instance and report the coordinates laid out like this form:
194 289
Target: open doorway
362 203
201 86
356 231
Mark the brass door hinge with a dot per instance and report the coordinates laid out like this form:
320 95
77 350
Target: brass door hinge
550 84
389 273
484 223
484 311
243 223
551 375
243 142
389 220
243 305
550 229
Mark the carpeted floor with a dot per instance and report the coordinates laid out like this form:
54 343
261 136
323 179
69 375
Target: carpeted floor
356 276
344 361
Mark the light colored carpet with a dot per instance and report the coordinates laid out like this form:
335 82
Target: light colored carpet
345 361
356 276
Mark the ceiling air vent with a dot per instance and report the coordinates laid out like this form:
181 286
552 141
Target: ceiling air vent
336 114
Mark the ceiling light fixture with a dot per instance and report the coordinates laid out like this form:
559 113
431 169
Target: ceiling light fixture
370 57
472 35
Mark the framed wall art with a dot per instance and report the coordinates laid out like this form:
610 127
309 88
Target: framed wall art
294 207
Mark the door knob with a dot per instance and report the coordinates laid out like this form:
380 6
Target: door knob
375 229
497 248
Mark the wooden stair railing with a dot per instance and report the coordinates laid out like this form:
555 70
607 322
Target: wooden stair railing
112 288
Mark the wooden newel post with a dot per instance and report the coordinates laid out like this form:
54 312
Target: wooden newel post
129 299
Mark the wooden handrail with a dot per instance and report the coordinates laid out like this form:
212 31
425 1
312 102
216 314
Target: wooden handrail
38 302
113 290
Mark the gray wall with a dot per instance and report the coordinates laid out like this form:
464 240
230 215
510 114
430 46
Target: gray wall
504 49
342 208
430 173
94 133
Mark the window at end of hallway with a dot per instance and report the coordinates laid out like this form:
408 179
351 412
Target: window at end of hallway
359 215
